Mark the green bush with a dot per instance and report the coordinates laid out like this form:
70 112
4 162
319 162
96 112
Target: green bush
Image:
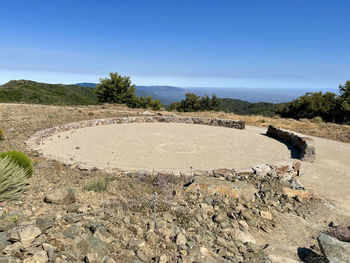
317 119
21 159
13 179
2 135
97 185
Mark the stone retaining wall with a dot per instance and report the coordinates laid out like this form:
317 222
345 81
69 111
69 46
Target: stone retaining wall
303 144
285 171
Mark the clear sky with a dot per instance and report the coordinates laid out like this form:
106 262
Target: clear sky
186 43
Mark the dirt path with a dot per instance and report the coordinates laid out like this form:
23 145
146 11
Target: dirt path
329 175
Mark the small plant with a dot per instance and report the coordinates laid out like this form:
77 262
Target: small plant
97 185
13 179
2 135
21 159
91 113
317 119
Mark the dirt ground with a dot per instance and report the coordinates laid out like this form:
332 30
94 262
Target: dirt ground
289 232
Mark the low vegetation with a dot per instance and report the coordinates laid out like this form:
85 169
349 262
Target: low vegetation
13 179
2 135
25 91
98 185
21 159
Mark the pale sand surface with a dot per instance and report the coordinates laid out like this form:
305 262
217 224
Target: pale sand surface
329 175
167 146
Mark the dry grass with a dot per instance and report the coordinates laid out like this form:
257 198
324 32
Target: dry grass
309 127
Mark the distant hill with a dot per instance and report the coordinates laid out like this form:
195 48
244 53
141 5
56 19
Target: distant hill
27 91
242 107
86 84
166 94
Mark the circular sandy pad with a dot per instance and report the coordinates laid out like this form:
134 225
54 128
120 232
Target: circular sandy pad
166 146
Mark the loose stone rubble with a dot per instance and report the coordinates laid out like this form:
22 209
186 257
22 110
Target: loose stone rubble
203 217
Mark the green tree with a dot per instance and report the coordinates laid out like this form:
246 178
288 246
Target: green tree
344 101
205 103
116 89
215 103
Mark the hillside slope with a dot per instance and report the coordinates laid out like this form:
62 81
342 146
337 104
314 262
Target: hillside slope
42 93
242 107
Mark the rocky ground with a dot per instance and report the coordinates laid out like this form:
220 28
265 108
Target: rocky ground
68 215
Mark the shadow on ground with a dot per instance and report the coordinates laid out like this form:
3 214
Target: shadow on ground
308 256
294 152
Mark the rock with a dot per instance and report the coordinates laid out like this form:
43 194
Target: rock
136 244
71 232
293 193
3 241
73 218
163 259
222 173
108 259
98 246
262 170
180 239
243 224
266 215
333 250
281 259
203 255
6 225
13 248
103 235
213 186
91 258
341 232
45 223
61 196
245 236
26 235
9 259
38 257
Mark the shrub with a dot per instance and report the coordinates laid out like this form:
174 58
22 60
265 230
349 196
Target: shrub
317 119
2 135
97 185
21 159
13 179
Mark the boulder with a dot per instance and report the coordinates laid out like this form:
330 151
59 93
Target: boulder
25 234
333 250
60 197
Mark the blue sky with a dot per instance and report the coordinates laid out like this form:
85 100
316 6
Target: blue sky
190 43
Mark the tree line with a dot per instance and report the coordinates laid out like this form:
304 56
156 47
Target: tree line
328 106
118 89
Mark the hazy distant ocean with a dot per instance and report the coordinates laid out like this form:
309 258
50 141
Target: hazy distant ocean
273 95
